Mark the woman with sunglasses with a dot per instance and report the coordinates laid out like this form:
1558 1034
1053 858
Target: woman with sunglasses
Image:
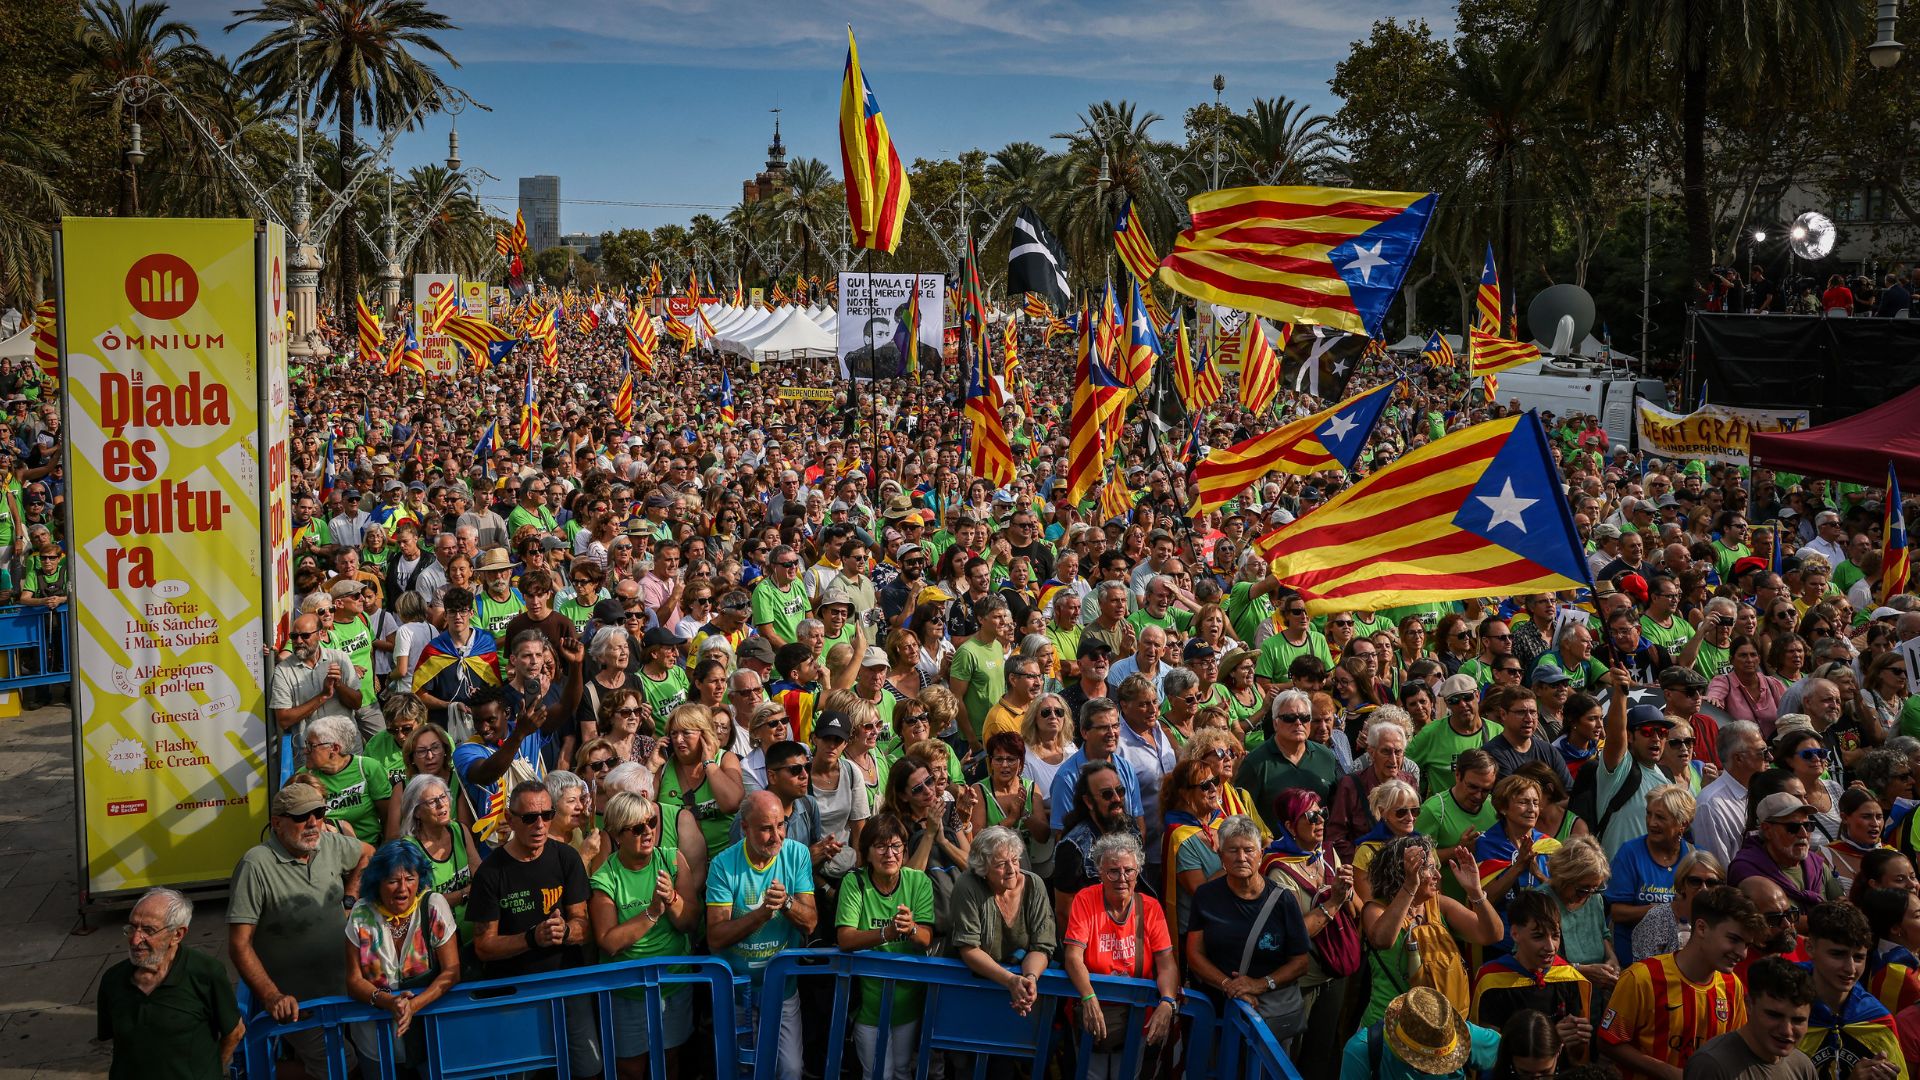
1243 701
1007 797
697 773
1576 876
404 713
1677 760
1411 928
1454 642
1047 732
1191 797
1802 752
619 726
1299 860
1883 694
1219 749
918 797
1666 927
1395 806
644 902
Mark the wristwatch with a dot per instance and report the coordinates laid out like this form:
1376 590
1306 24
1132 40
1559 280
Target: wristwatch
1271 985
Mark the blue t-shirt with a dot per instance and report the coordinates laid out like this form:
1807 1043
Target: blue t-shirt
735 884
469 754
1355 1063
1637 879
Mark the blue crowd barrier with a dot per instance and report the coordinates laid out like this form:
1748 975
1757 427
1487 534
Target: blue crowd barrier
33 647
964 1013
496 1027
1248 1050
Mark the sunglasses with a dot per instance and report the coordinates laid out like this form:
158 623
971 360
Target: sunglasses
1700 882
1293 718
1112 793
640 827
1315 817
1781 918
1405 811
1796 828
798 768
601 765
1812 753
532 816
1056 714
315 814
1678 744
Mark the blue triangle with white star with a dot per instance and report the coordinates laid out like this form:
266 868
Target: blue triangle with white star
1346 431
1374 263
1519 504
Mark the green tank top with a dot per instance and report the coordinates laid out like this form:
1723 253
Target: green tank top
994 814
450 875
715 824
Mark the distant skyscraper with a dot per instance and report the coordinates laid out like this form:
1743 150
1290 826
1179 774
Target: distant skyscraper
540 203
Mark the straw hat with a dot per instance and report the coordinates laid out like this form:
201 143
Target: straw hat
1427 1032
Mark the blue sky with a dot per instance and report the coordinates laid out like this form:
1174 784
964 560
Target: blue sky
666 101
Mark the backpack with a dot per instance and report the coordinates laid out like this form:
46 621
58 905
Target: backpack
1584 801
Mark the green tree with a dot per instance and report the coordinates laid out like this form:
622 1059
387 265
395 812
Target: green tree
369 60
625 255
809 204
1386 86
1684 44
1282 142
115 43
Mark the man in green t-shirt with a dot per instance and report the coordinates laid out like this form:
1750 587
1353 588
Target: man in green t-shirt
352 635
1461 809
978 676
1709 650
1297 638
1663 624
779 599
1435 746
532 510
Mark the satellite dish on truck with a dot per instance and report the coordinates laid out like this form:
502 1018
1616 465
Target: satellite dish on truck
1561 316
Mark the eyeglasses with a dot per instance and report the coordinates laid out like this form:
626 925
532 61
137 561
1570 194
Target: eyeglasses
303 637
531 816
1796 828
600 765
1589 890
921 787
1699 882
1112 793
131 929
1024 674
1680 744
1119 873
1497 637
314 814
628 711
1293 718
1459 699
787 564
1340 622
429 750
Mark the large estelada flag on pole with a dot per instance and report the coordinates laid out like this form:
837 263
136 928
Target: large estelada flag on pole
1329 256
1475 513
1896 567
877 184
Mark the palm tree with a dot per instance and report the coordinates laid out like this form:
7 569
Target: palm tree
368 58
29 200
808 203
752 220
1016 173
1084 209
1656 43
114 43
1284 143
459 237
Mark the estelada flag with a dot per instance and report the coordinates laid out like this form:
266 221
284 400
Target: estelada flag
1476 513
877 184
1329 256
1486 301
1259 366
476 337
1490 354
1329 439
1896 567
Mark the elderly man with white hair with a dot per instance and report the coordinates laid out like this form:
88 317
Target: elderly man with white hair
166 1007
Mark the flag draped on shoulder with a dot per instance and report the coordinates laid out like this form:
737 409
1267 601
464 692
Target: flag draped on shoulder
1330 256
1896 567
1328 439
1490 353
1036 263
367 326
1486 301
1259 366
877 184
1475 513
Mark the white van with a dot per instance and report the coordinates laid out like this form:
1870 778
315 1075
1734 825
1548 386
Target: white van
1563 387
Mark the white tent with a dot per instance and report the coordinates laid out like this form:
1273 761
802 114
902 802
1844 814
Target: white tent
732 318
789 336
745 325
20 344
824 316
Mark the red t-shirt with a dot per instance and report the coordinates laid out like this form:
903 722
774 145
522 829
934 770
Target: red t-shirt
1837 297
1110 945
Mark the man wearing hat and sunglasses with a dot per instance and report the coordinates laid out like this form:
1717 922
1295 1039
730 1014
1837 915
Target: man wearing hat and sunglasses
1421 1035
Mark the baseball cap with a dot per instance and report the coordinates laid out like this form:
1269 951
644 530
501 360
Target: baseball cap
1647 716
608 610
1603 531
1549 675
832 724
345 587
660 635
1780 804
1092 647
297 800
1885 613
1682 678
1457 685
755 648
875 656
933 594
1197 650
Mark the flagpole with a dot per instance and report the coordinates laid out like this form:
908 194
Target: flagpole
873 396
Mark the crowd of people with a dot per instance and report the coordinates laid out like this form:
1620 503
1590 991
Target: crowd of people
705 686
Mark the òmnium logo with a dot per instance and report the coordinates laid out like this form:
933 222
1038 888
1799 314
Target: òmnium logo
162 286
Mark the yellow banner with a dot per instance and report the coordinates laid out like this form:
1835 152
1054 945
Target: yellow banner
438 351
276 403
162 326
803 393
475 295
1713 432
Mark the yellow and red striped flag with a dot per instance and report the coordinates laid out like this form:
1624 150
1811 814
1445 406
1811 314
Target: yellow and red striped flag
588 322
992 456
1098 398
1479 512
1142 344
1115 499
877 184
1332 256
1486 301
623 398
444 307
1259 365
1010 350
519 234
640 341
1137 255
1329 439
1491 353
46 338
1195 378
477 336
368 326
1037 307
1896 567
530 416
1438 350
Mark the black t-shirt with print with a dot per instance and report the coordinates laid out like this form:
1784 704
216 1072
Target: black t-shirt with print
520 895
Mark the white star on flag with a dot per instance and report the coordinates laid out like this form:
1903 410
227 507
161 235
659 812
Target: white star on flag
1340 425
1507 507
1365 259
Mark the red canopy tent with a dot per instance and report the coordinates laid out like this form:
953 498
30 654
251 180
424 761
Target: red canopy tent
1857 448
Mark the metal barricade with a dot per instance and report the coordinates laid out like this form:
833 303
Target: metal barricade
963 1013
33 647
1248 1050
498 1027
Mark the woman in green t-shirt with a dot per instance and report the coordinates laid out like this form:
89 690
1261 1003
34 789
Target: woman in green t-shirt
642 905
357 789
426 819
886 906
700 774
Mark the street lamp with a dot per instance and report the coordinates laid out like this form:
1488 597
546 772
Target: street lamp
135 155
1885 51
1759 237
